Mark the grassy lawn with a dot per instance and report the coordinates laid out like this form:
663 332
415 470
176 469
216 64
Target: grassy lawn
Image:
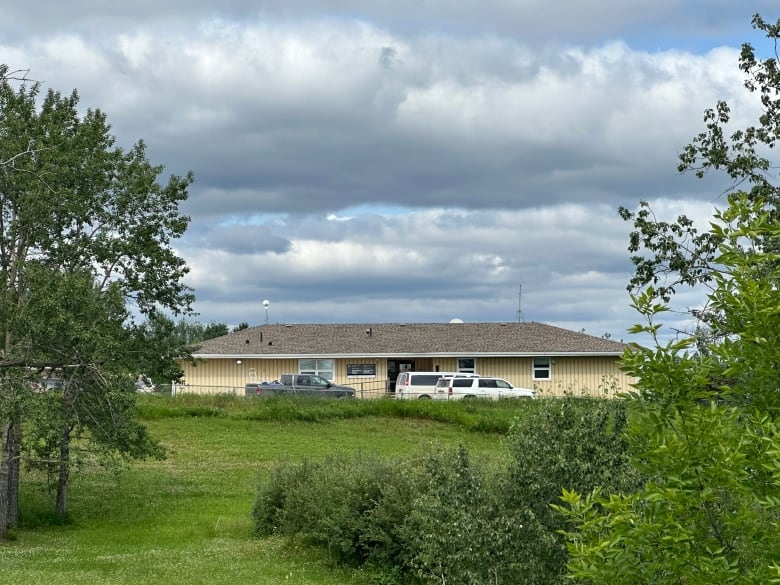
186 520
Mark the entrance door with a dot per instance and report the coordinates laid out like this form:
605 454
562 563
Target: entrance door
395 367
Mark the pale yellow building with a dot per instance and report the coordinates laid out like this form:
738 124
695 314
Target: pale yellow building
369 356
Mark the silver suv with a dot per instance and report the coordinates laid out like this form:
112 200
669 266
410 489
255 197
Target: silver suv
458 388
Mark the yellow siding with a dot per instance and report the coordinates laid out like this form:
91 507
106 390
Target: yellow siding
593 376
217 376
444 365
227 376
589 376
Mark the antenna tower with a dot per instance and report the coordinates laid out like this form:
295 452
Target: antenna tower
520 318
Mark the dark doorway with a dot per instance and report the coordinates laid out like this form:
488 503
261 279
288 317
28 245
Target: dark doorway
395 367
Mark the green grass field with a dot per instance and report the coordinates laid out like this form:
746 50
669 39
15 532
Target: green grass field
186 519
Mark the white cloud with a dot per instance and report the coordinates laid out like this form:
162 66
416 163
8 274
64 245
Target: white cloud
405 160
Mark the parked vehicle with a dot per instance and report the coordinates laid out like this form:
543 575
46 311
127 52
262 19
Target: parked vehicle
299 384
411 385
144 384
47 384
459 388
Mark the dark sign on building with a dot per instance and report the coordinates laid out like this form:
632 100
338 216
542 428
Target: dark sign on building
361 370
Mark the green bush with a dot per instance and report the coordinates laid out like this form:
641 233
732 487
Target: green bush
444 517
459 531
355 507
572 443
274 510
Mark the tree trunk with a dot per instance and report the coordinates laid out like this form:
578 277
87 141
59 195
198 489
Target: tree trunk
5 459
64 475
14 465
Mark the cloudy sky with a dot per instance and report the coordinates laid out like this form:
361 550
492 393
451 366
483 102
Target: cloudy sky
406 160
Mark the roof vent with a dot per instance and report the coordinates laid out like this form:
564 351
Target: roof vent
456 320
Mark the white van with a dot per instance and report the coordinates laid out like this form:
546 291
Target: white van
411 385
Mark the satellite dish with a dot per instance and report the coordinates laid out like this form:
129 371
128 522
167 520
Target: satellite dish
456 320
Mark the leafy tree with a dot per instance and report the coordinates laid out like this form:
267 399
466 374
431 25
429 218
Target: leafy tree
88 224
705 432
192 333
84 330
161 343
668 255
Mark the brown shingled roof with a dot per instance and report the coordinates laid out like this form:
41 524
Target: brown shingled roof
393 339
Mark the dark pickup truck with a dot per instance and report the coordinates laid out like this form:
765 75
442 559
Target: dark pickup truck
299 385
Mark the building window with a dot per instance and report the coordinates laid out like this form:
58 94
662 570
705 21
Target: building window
467 365
542 368
324 368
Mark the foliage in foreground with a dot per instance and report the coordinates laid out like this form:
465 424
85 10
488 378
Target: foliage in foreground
705 433
86 233
444 516
706 436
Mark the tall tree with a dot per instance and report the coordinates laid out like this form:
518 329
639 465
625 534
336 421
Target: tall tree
705 430
73 203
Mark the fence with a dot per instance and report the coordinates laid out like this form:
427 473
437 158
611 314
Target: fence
367 389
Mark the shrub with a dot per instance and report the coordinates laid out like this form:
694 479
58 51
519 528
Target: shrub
274 511
571 443
459 531
445 517
352 506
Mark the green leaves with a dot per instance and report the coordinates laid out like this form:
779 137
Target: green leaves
86 228
704 425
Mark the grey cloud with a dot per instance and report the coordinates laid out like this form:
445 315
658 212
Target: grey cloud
351 159
503 134
447 126
464 254
570 20
244 239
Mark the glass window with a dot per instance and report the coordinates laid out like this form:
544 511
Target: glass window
324 368
467 365
425 379
542 368
461 383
